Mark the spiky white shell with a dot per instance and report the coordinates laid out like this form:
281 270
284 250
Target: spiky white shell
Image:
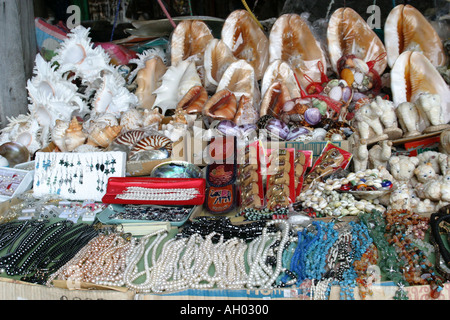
59 134
174 83
77 54
143 57
23 129
113 97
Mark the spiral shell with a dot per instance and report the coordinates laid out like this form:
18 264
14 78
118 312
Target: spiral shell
130 138
75 136
103 137
153 142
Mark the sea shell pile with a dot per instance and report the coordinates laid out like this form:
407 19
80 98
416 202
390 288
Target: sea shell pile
287 81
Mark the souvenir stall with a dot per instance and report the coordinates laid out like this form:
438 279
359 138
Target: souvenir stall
234 159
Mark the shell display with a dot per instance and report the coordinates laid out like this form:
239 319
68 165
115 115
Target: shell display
406 29
102 137
130 138
74 136
292 41
153 142
349 33
246 40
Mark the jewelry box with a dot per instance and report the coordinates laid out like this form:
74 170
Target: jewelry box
162 191
14 182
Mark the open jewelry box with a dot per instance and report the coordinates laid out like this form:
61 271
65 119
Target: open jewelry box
14 182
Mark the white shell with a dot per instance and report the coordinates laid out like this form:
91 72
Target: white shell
335 93
361 65
143 57
113 97
279 70
58 134
359 77
131 119
78 55
167 94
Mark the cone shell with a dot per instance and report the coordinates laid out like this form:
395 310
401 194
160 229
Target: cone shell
74 136
348 33
247 41
291 40
103 137
189 40
217 58
194 100
413 74
274 99
406 29
148 80
221 106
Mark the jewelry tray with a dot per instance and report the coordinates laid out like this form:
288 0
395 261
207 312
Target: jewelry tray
118 186
24 185
112 208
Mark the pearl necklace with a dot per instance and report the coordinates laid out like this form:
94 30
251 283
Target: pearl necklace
261 274
140 193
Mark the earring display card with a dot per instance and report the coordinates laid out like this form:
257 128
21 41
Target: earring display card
14 182
76 176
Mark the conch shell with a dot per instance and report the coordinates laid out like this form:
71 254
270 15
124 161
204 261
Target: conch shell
348 33
176 82
74 136
240 79
59 134
413 74
279 70
246 112
148 80
194 100
247 41
406 29
103 137
292 41
221 106
217 58
274 99
152 118
189 40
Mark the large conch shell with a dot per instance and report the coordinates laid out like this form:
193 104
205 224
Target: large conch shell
246 112
78 55
292 41
279 70
142 59
74 136
247 41
274 99
217 58
148 80
240 79
102 137
413 74
176 82
189 40
113 97
406 29
221 106
194 100
348 33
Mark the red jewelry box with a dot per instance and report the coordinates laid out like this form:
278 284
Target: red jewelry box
118 186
